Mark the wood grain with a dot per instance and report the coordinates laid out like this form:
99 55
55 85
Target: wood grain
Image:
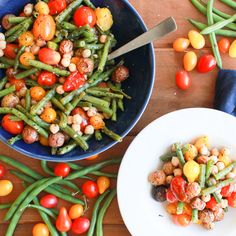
165 98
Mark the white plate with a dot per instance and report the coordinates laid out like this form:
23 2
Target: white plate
144 216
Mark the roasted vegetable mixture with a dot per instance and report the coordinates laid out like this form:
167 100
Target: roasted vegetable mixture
59 86
197 181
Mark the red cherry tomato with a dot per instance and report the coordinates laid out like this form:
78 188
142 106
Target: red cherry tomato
49 201
74 81
10 50
232 199
227 190
80 225
2 171
90 189
182 80
83 114
63 221
11 126
49 56
170 197
47 78
62 169
206 63
182 220
56 6
19 83
178 187
85 16
211 204
224 45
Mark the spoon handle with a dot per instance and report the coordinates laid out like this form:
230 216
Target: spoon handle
163 28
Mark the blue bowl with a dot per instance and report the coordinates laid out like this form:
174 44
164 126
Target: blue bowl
127 25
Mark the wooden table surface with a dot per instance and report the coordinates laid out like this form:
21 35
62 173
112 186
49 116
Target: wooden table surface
165 98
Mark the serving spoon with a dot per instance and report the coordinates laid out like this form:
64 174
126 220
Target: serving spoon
162 29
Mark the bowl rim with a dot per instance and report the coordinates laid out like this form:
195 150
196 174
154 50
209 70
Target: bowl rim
62 158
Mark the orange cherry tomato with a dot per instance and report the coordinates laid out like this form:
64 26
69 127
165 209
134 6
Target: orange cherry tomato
49 56
103 183
97 122
26 39
43 141
182 220
44 27
190 61
25 57
74 60
224 45
19 83
76 211
171 208
181 44
37 93
49 115
11 50
40 230
63 221
92 157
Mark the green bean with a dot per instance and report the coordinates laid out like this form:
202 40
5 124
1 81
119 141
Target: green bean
11 62
54 46
23 117
118 90
229 3
95 213
4 66
16 19
14 139
212 35
43 209
167 156
179 154
46 219
26 73
98 135
57 104
216 18
52 189
102 212
225 171
218 25
5 206
105 52
114 109
71 106
27 100
112 135
89 4
61 17
95 100
49 68
217 187
15 28
39 187
105 94
3 82
215 195
78 32
85 104
180 208
35 108
17 34
92 168
209 167
100 89
68 26
16 62
92 46
34 118
195 216
7 91
202 176
201 26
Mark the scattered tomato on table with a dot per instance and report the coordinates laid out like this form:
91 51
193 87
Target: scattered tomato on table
90 189
62 169
49 201
6 187
40 229
63 221
80 225
183 80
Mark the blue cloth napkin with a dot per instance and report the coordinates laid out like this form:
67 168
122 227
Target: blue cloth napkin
225 92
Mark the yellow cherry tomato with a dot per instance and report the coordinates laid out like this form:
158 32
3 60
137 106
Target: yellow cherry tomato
26 39
43 141
92 157
25 57
37 93
42 8
191 170
49 115
190 61
191 152
103 183
181 44
40 230
104 18
232 49
97 122
225 159
6 187
76 211
201 142
196 39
